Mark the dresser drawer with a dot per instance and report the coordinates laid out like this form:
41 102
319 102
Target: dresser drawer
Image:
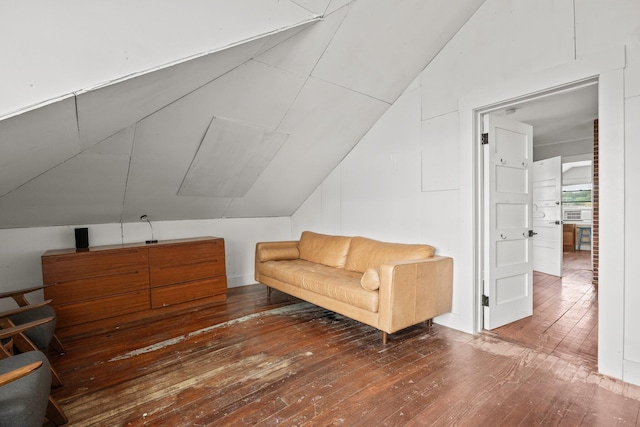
175 294
98 287
186 253
104 308
82 265
164 275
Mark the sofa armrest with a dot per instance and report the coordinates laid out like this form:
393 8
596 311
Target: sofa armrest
414 291
275 251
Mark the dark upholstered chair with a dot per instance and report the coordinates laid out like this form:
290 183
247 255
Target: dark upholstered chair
17 333
44 335
25 386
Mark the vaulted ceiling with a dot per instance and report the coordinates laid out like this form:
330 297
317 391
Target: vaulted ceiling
246 126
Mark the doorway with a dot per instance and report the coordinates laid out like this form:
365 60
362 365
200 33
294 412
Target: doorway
564 308
607 68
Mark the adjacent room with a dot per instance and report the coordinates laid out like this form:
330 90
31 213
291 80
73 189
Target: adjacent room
318 212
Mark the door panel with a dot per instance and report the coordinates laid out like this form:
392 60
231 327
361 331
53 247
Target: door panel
547 215
507 205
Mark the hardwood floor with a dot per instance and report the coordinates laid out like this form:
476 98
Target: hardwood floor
280 361
565 313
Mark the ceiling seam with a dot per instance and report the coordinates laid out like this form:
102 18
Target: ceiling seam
348 5
194 90
464 24
42 173
126 181
169 104
252 58
196 56
575 46
293 101
310 72
302 7
184 178
354 91
75 103
130 76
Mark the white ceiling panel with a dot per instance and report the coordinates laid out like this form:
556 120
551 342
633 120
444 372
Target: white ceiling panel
279 37
164 147
382 44
34 142
324 123
118 144
105 111
75 45
301 52
315 6
291 96
336 4
230 159
252 93
87 189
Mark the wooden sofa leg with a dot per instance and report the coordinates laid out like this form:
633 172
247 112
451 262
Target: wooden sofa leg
385 337
268 291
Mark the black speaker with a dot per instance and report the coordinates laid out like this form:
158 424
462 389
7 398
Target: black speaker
82 238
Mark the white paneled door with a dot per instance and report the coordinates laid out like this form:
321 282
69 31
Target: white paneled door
507 203
547 216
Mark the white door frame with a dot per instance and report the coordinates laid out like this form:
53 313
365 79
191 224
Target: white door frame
607 69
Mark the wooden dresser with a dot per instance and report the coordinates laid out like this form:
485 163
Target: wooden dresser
568 237
106 285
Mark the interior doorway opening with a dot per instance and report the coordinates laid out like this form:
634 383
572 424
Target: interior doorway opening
557 299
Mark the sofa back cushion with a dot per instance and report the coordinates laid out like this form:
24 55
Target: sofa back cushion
367 253
324 249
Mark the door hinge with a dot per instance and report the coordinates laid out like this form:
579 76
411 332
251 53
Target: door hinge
485 301
485 139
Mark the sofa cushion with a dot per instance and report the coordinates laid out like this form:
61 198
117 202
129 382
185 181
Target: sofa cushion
367 253
287 271
277 253
324 249
371 279
338 284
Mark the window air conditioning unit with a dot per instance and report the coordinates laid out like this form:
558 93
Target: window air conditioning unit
572 215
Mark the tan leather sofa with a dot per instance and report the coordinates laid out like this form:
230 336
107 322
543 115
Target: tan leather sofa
389 286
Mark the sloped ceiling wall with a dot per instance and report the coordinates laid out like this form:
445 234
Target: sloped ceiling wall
244 131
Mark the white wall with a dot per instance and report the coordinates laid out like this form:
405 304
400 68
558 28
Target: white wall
578 175
571 150
381 189
21 248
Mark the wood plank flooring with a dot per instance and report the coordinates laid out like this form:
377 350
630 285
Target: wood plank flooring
279 361
565 314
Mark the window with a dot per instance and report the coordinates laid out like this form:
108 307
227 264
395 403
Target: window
577 195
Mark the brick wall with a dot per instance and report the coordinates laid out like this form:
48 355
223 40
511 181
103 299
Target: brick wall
595 233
